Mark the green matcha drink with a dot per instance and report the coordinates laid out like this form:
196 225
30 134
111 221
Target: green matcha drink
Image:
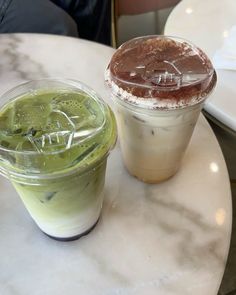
55 137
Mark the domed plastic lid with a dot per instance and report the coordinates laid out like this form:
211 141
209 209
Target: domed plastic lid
160 72
51 125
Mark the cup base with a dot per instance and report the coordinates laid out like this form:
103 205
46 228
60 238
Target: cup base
151 180
73 238
154 181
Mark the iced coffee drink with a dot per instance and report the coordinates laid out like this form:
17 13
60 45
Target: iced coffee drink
55 137
159 85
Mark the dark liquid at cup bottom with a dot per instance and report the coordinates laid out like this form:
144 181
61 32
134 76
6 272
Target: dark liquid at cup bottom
74 237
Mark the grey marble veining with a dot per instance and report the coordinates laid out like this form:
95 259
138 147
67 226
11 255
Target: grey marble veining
16 65
165 239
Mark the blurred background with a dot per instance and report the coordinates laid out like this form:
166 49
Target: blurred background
129 26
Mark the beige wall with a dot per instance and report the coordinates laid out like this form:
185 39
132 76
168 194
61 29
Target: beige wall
142 24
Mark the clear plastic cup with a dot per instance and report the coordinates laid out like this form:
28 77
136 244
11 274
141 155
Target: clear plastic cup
55 137
159 85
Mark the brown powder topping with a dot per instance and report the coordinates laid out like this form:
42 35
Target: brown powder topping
162 68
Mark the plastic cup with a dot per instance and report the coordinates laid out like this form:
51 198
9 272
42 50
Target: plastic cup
55 137
159 85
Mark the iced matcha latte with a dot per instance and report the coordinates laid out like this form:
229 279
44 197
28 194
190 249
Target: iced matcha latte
55 137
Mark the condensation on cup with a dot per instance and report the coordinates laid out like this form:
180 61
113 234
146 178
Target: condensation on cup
159 85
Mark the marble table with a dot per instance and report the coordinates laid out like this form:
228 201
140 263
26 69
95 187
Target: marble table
207 24
171 238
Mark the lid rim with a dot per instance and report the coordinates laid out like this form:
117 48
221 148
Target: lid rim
138 102
49 175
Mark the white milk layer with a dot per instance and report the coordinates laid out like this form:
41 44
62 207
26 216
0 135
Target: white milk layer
68 213
70 226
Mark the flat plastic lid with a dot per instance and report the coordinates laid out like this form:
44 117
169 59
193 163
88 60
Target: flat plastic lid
160 71
52 125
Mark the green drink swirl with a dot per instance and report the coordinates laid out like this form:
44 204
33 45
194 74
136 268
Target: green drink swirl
55 137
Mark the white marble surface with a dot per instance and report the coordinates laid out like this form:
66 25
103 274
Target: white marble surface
165 239
207 24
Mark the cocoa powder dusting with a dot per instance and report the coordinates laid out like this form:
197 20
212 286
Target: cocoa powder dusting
162 68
